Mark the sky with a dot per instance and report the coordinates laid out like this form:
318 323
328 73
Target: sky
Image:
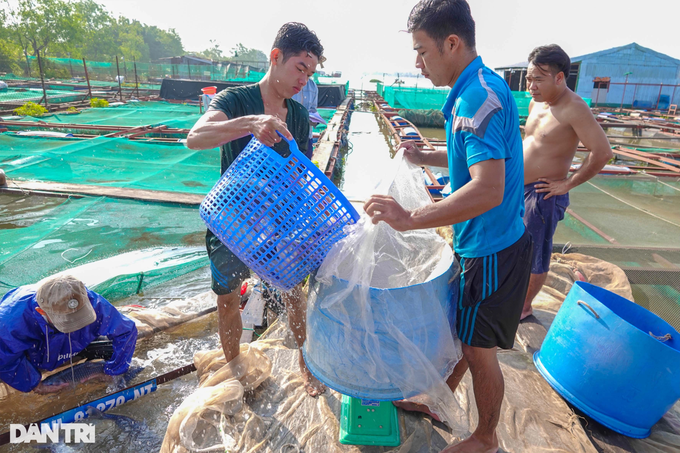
367 36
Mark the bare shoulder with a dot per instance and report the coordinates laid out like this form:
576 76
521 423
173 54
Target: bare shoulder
575 109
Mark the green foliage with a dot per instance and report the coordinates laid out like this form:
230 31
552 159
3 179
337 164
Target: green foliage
212 53
31 109
162 43
10 54
96 103
72 110
80 29
243 54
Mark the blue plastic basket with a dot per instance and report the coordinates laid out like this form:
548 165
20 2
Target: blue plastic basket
279 215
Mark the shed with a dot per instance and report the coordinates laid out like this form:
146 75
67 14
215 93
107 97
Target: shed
627 76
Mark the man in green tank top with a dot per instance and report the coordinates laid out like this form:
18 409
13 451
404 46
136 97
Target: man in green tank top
263 110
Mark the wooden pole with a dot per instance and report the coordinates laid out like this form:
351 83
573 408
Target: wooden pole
42 79
87 77
120 91
134 62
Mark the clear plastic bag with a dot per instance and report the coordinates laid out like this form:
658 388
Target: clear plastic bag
380 315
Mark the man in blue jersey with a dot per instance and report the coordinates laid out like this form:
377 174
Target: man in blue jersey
484 157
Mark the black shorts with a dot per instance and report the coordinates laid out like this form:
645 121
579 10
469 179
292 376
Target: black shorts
228 272
492 293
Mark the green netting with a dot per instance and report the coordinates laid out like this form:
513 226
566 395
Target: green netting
326 114
401 97
633 211
178 116
43 235
63 68
106 161
424 118
21 95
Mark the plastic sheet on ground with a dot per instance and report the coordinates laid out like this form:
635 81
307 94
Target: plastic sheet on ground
152 320
279 417
565 269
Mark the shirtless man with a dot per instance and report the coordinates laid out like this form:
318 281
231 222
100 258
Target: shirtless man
558 120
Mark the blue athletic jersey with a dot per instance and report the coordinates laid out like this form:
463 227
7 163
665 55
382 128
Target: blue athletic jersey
482 123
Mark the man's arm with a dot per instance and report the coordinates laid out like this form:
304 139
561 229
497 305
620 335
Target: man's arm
314 103
591 134
482 193
15 368
214 129
122 332
19 373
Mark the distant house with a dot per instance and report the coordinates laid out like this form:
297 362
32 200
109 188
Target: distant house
628 76
185 59
181 67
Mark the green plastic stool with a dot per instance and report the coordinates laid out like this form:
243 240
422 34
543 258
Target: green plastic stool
368 422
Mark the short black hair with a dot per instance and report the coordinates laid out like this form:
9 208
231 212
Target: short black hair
294 38
553 57
441 18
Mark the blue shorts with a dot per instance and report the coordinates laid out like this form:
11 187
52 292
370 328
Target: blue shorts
540 218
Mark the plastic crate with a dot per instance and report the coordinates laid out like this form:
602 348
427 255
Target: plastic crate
279 215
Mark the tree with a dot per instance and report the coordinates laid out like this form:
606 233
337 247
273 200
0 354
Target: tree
162 43
99 41
78 29
131 41
212 53
245 55
10 52
39 24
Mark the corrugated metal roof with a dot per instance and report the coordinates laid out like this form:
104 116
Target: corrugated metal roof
519 65
631 46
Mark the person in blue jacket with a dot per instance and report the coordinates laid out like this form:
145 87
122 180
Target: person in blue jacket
45 325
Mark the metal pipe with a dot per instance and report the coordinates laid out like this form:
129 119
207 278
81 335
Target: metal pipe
658 98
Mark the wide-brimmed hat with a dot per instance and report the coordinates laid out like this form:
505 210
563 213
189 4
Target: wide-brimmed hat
64 299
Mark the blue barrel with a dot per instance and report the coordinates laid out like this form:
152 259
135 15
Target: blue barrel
341 362
614 360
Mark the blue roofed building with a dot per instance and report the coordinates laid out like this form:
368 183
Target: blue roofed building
627 76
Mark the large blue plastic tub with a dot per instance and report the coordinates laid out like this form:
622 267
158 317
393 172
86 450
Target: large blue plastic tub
612 359
279 215
336 359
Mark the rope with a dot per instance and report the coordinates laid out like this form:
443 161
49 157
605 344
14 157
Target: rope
77 259
663 339
7 284
633 206
666 184
566 248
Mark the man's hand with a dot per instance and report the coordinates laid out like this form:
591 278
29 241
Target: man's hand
552 188
385 208
412 152
264 128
